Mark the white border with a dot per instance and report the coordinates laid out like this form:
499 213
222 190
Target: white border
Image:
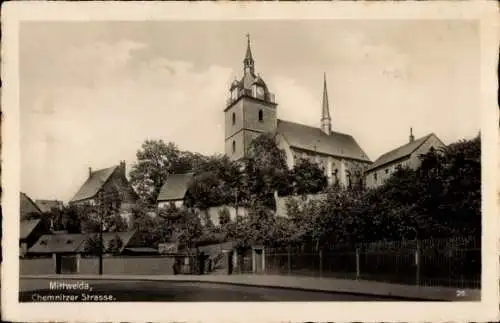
486 310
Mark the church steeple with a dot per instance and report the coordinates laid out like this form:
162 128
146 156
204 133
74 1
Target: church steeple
248 62
326 120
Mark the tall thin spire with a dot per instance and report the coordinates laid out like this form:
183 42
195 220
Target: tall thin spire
248 62
326 120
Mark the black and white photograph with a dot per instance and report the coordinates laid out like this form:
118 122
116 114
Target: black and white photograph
235 159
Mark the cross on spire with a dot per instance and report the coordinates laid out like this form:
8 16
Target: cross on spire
248 62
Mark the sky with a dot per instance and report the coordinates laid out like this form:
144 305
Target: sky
92 92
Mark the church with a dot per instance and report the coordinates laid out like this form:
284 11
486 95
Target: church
252 110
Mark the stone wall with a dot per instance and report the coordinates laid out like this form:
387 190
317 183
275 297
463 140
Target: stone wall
133 265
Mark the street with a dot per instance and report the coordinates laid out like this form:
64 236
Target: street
141 291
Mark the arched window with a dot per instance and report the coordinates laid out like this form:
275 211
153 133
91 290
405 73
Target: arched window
261 115
234 146
234 118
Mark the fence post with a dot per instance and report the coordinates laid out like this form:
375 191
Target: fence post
417 264
321 262
358 271
289 260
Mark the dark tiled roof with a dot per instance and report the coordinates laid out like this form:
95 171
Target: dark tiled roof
93 184
314 139
141 250
27 226
48 205
55 243
28 206
75 242
400 152
175 187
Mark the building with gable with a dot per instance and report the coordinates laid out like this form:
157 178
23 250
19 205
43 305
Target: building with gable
174 190
28 208
47 206
252 110
407 155
108 180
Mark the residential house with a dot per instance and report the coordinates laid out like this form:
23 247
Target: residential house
174 190
47 206
28 208
407 155
67 249
251 110
29 233
108 180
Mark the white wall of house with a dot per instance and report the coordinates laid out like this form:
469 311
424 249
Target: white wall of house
379 175
412 161
177 203
431 142
213 213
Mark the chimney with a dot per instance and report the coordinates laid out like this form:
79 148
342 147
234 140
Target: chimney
412 138
122 166
90 171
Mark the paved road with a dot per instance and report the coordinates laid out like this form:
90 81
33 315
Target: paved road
141 291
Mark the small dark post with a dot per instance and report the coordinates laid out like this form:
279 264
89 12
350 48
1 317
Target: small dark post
101 242
321 262
289 253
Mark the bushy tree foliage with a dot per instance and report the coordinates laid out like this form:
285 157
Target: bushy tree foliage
104 214
266 171
155 161
307 178
440 199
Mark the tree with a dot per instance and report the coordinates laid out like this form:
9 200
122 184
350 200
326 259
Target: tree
307 178
115 245
150 229
94 246
155 161
266 170
104 214
216 182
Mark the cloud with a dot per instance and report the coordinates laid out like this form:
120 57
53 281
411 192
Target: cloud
76 125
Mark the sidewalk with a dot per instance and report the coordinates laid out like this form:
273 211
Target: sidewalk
301 283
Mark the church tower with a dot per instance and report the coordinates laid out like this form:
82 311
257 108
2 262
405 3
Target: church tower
326 120
250 109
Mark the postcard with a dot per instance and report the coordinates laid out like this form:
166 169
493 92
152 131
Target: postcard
227 162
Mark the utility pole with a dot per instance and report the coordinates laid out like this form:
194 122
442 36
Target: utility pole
101 242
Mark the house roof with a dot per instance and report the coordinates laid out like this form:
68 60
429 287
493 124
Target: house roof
175 187
399 152
75 242
57 243
93 184
314 139
27 226
48 205
28 206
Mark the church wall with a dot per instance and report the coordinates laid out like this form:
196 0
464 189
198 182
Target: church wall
283 145
251 116
231 129
330 164
239 151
